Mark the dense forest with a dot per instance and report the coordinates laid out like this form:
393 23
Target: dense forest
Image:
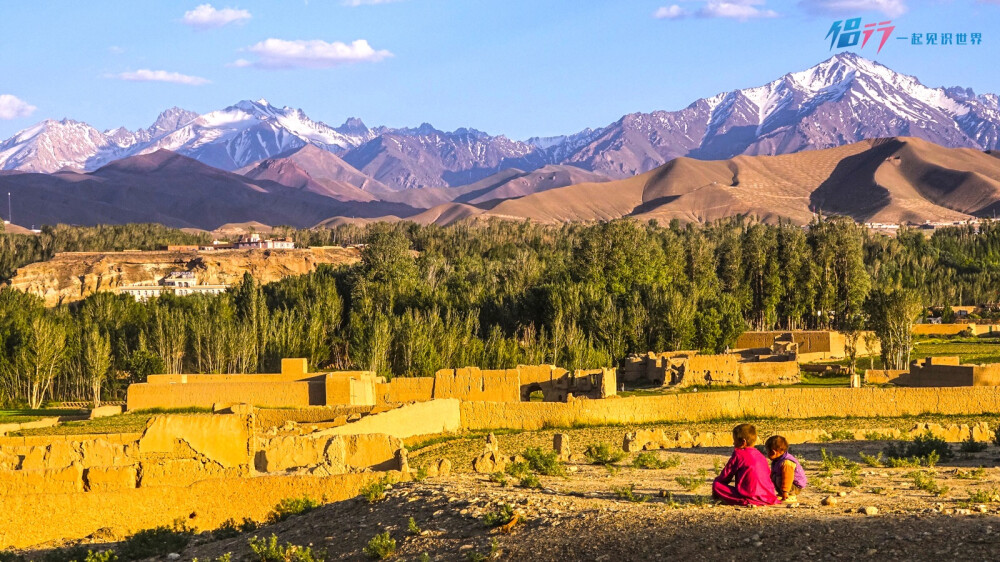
490 294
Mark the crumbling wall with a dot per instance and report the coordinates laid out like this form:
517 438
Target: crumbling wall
883 376
472 383
710 370
204 395
791 403
420 418
754 373
324 454
401 390
34 518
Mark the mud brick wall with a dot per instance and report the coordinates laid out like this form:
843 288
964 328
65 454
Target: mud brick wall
204 395
793 403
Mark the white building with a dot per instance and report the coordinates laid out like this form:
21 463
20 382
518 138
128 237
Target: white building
179 283
254 242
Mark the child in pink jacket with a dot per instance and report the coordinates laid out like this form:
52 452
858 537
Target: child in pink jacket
748 471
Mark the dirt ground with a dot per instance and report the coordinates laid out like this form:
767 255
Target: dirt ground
580 516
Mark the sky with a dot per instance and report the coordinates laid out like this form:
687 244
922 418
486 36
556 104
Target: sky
520 68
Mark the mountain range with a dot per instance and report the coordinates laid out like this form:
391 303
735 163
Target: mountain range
707 160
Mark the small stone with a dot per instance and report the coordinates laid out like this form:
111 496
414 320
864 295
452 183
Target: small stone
981 508
173 556
758 544
438 513
829 500
963 512
842 494
869 510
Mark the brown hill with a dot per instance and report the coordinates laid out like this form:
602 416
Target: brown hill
886 180
319 171
177 191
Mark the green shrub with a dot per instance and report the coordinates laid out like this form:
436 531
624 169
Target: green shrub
925 481
268 550
381 546
974 474
518 469
530 481
603 454
852 477
103 556
840 435
412 527
925 447
375 491
158 541
692 483
970 445
984 496
544 462
628 493
499 478
230 528
501 515
874 461
652 462
831 462
291 506
878 436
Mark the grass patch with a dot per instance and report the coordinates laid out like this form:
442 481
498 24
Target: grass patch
974 474
530 481
650 461
231 528
874 461
852 476
926 448
970 445
984 496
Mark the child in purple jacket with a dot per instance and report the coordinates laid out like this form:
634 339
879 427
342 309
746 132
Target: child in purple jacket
786 471
747 469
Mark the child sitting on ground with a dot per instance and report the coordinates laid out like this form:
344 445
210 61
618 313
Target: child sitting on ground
786 472
748 471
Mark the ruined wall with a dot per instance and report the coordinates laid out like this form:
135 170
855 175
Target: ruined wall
954 329
769 373
30 519
883 376
813 345
472 383
401 390
420 418
325 454
794 403
267 418
204 395
711 369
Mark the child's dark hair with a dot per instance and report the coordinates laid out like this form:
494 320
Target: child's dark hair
776 444
746 433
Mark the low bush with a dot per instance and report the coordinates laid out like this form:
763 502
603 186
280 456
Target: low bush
984 496
518 469
381 546
628 493
231 528
291 506
268 550
499 478
158 542
650 461
544 462
852 477
375 491
693 482
501 515
412 527
603 454
923 447
970 445
874 461
530 481
925 481
974 474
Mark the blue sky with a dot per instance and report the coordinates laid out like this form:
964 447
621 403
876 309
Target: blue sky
514 67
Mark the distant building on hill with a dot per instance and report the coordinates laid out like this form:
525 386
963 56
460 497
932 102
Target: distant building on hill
178 283
254 242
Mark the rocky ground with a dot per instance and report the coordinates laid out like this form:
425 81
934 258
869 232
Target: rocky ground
588 513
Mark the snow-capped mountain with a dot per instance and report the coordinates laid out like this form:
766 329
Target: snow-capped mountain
842 100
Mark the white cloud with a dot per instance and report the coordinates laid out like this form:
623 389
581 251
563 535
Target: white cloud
145 75
279 53
12 107
115 50
891 8
356 3
207 16
672 12
729 9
